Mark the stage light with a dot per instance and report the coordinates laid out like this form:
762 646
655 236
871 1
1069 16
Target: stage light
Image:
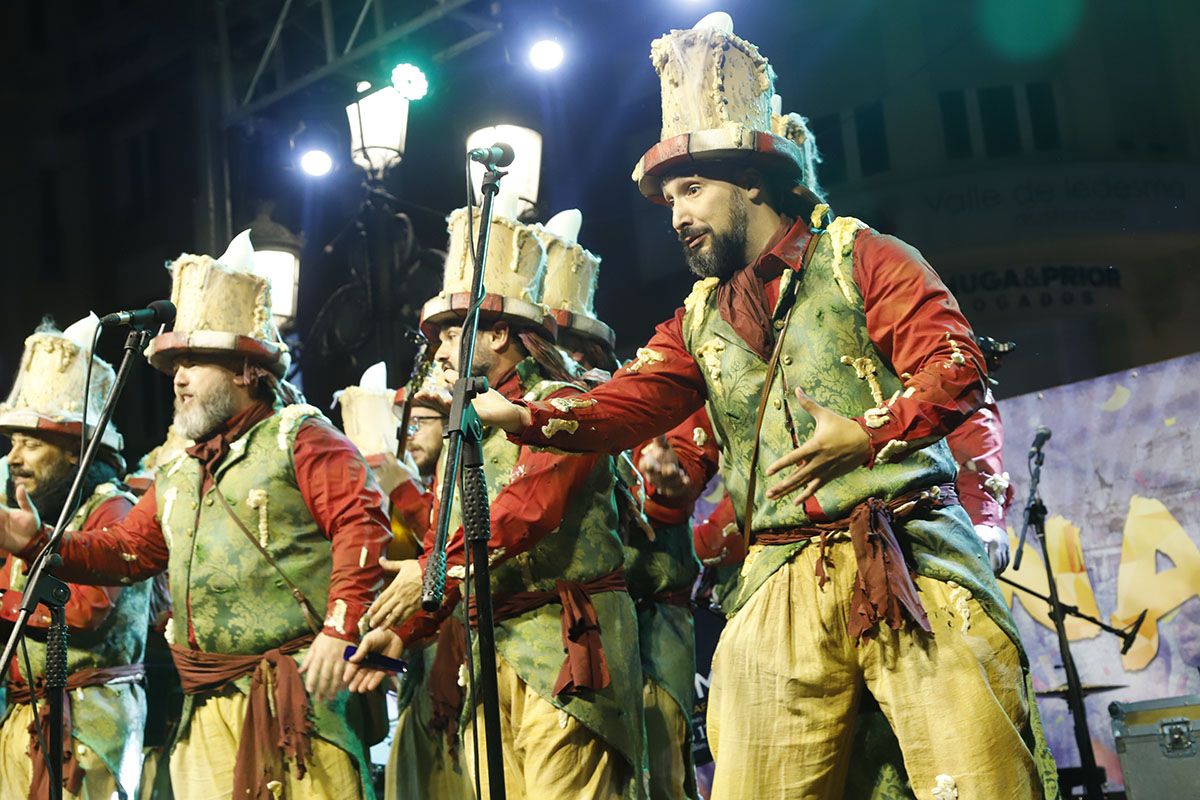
362 86
546 55
410 81
317 163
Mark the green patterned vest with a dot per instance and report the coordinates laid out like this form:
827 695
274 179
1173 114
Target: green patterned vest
108 719
829 354
234 600
584 546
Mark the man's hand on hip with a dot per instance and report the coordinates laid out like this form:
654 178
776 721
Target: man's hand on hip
837 445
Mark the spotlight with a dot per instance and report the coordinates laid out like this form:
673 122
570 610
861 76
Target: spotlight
545 55
410 81
317 163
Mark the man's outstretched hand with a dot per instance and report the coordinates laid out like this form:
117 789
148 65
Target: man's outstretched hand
19 526
837 446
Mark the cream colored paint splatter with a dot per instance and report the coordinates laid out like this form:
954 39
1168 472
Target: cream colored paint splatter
710 354
945 788
554 426
958 601
842 232
169 498
337 617
257 499
568 404
645 357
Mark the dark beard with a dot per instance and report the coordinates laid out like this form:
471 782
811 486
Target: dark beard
50 497
728 250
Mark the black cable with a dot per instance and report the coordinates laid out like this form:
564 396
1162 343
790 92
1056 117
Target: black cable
466 545
33 706
87 391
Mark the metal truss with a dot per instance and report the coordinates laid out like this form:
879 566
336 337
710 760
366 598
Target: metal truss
272 49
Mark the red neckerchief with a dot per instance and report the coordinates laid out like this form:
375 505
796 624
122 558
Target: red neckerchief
212 450
742 300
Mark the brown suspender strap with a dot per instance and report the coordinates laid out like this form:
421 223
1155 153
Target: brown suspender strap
772 366
310 614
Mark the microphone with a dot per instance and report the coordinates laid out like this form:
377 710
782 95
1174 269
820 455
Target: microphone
160 312
1040 437
1131 634
498 155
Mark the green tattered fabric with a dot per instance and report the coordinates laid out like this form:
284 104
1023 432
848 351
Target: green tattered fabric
666 633
107 719
235 601
584 547
829 354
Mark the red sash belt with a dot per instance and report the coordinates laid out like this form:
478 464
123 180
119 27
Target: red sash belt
270 730
20 692
585 667
884 589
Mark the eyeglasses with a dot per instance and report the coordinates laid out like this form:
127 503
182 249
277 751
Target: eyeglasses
415 423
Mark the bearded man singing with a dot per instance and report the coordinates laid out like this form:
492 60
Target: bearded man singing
106 624
270 526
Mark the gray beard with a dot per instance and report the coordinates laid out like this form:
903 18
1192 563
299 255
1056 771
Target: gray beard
205 415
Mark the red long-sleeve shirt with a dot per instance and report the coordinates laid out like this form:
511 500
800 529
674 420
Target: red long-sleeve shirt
532 503
912 319
530 506
339 490
978 448
89 606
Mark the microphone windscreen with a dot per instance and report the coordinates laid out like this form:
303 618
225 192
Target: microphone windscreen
165 310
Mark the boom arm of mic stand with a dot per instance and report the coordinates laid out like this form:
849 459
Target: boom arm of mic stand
1035 512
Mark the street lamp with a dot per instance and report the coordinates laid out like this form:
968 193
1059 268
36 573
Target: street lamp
277 258
521 177
378 128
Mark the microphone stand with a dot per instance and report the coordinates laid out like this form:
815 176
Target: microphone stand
465 452
44 588
1035 517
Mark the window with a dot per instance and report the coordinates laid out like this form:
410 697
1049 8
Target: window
955 128
872 138
827 131
1043 116
998 113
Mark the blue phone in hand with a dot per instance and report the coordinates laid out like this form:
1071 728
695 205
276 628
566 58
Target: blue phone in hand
377 661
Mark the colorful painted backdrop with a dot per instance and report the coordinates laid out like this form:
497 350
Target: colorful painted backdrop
1121 483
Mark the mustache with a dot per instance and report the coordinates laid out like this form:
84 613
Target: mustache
691 231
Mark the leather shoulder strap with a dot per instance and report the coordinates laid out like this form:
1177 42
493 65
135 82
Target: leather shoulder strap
306 607
789 299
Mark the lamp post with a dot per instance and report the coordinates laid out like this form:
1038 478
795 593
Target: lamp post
277 258
382 248
378 128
